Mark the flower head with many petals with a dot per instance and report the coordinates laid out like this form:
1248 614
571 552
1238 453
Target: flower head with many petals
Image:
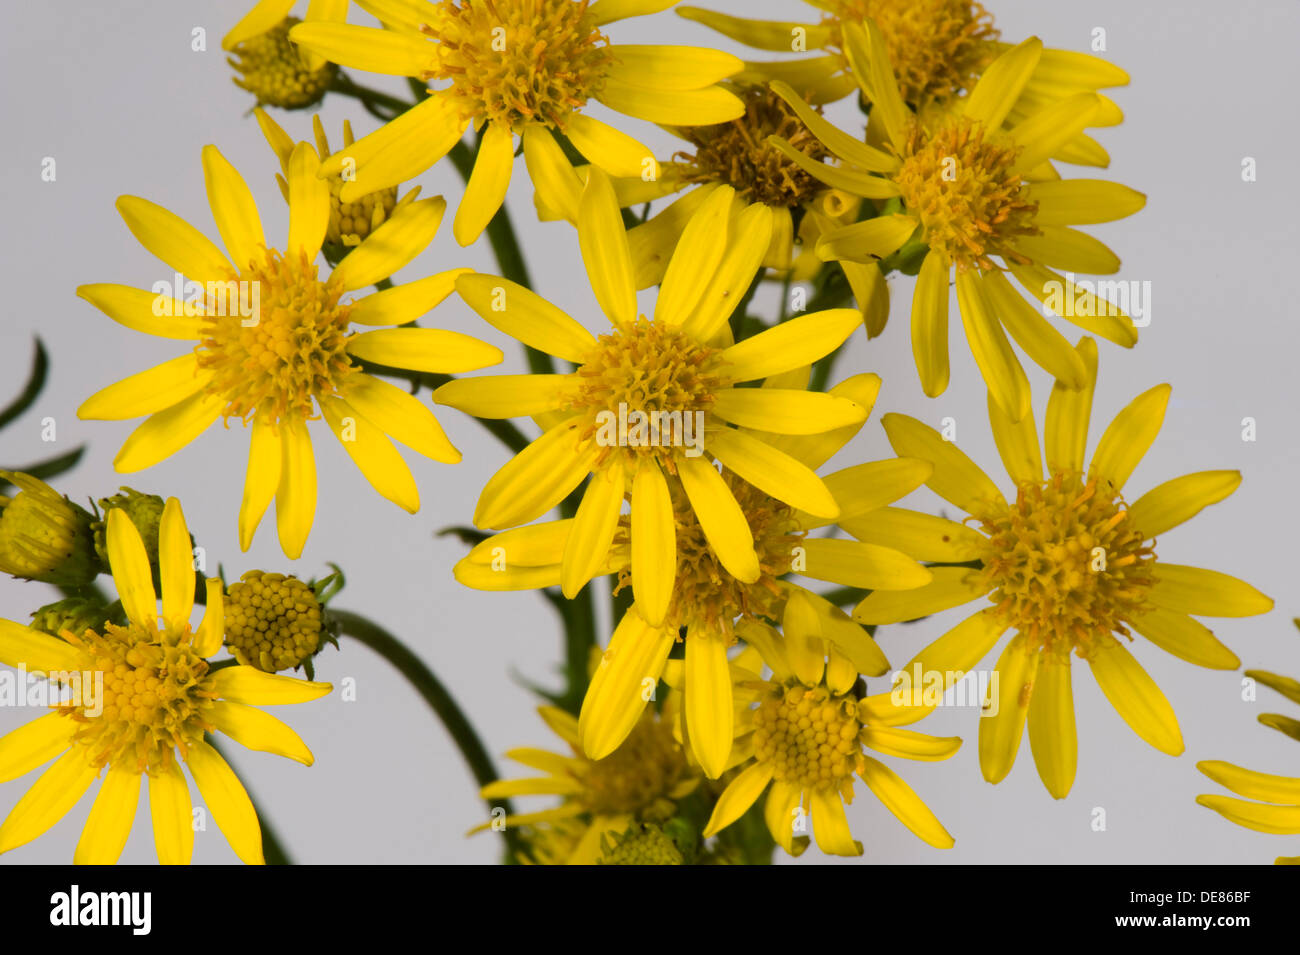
1070 568
275 344
692 596
524 68
143 700
977 200
802 737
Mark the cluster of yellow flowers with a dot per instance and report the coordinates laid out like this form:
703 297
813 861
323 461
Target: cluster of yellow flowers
684 443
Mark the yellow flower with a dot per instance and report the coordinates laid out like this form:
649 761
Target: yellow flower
938 49
654 398
972 193
350 222
1068 566
690 593
803 738
268 16
639 782
1277 809
143 697
275 344
44 536
523 68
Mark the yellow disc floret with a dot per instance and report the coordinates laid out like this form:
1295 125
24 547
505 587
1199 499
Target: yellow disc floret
1065 566
273 622
809 736
937 47
153 699
272 69
960 182
737 153
524 61
289 352
640 845
640 776
645 388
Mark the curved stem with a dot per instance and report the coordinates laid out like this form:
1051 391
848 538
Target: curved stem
434 693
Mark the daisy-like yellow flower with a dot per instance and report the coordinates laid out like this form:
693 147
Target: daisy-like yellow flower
654 398
270 65
350 222
938 50
639 782
275 347
972 194
1278 807
1070 567
692 596
523 68
803 736
142 700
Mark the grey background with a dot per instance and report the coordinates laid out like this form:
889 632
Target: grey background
114 93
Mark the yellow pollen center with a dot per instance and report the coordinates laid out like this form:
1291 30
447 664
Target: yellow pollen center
638 776
1065 566
808 736
288 352
937 47
646 388
273 622
154 696
518 61
705 595
963 188
738 155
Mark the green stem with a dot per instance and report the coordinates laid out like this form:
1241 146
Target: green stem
435 694
373 100
272 849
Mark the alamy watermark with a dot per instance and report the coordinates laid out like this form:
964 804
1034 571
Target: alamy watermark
82 688
649 429
1085 298
242 298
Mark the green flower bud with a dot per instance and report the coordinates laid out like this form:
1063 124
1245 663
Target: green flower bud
44 536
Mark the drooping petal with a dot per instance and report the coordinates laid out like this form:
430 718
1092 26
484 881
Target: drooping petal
243 684
622 684
1052 736
172 813
295 498
603 242
594 524
50 799
709 711
163 434
720 517
1000 731
741 793
109 823
654 543
402 416
258 730
486 189
372 453
227 800
1136 698
261 477
900 799
34 743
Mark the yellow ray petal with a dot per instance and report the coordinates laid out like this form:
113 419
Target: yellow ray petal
172 813
536 479
1017 443
393 244
709 716
587 549
486 189
372 453
258 730
988 343
1052 736
866 487
1060 247
366 48
786 411
50 799
233 208
607 148
864 241
930 324
402 416
831 825
407 302
228 801
1252 785
131 573
424 349
166 432
654 543
855 564
956 477
212 628
605 252
697 107
146 392
1136 698
1185 638
791 344
622 684
951 587
1280 820
909 744
961 648
525 316
720 517
1032 332
923 536
1000 732
309 202
1065 432
175 566
1083 201
999 87
869 58
1129 436
295 497
773 472
148 312
261 478
1090 312
1046 131
242 684
699 250
904 803
1206 593
1167 505
34 743
673 67
173 240
264 15
741 793
109 823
